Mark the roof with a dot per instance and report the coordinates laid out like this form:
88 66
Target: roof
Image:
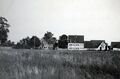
115 44
76 38
93 43
87 44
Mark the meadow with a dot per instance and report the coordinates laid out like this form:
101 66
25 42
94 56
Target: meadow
59 64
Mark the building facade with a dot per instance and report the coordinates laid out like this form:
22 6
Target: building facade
75 42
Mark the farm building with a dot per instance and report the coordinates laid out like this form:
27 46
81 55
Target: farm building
115 45
75 42
95 45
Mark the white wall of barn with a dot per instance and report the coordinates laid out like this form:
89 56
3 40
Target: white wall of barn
75 46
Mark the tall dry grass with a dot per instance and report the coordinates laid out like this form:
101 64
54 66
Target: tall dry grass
59 64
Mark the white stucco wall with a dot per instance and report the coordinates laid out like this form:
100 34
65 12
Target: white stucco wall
75 46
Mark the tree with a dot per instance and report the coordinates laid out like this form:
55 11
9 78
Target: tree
24 44
27 43
3 30
63 37
63 42
34 42
48 37
9 43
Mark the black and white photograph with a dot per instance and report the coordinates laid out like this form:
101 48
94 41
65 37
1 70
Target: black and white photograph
59 39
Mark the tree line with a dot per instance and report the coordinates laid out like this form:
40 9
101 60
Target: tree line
27 42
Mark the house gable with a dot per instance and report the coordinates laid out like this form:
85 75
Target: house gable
103 46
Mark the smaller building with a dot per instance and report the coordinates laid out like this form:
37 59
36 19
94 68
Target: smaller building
95 45
115 46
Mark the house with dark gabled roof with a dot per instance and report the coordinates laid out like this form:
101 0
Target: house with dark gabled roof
75 42
95 45
115 45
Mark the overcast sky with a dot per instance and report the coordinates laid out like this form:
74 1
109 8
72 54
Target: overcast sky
96 19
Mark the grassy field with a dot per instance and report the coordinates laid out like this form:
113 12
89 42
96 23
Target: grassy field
59 64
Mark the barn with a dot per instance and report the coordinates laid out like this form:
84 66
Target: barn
75 42
115 45
95 45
